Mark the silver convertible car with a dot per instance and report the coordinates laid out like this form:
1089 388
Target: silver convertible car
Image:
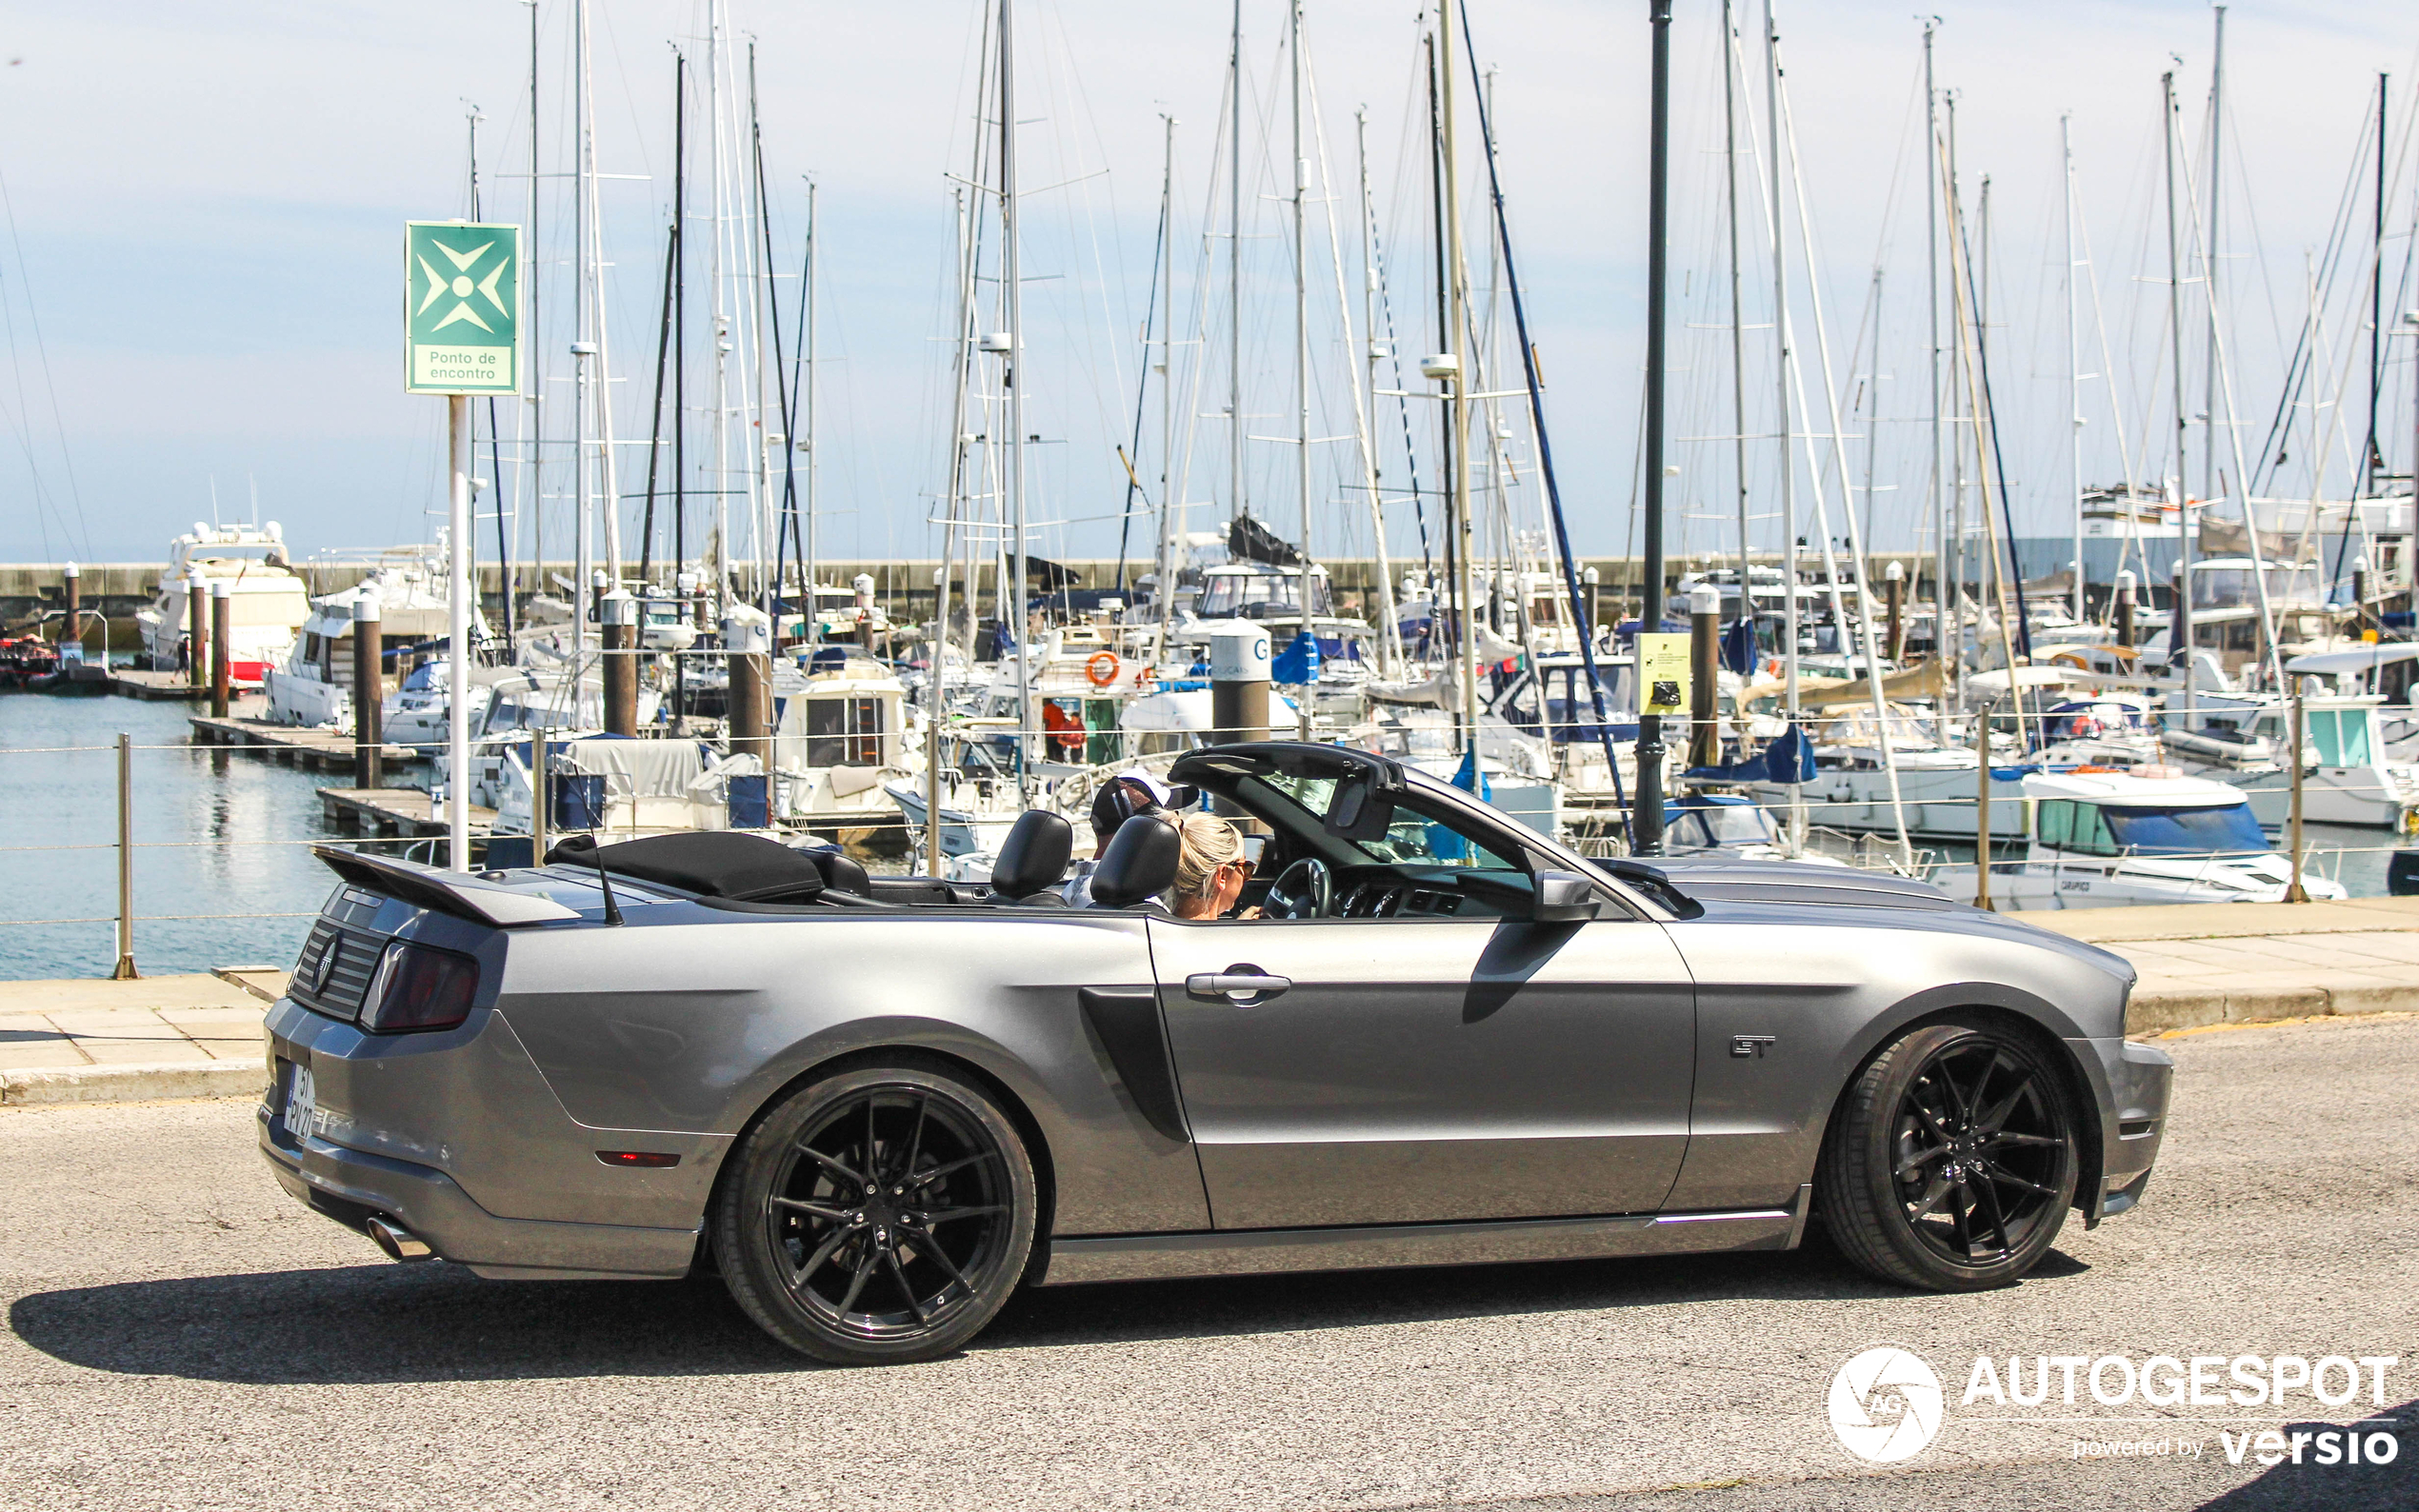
878 1106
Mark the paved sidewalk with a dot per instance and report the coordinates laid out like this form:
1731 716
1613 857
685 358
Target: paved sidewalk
2243 963
98 1041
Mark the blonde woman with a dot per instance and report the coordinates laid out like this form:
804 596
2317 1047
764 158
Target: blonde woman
1211 869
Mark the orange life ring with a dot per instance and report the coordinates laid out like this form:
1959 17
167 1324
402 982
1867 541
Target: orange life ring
1100 668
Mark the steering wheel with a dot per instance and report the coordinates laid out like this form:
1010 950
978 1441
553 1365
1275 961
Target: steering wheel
1305 890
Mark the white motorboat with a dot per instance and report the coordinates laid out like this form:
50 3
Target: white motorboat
2107 840
2348 775
838 736
619 788
314 687
267 601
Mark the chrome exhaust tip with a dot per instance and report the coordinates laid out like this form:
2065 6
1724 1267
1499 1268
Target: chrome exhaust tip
398 1241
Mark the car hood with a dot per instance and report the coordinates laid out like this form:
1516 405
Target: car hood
1714 882
1708 878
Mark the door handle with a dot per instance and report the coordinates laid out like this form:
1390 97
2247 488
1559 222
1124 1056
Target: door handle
1244 985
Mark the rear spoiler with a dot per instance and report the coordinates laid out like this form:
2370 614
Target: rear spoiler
443 892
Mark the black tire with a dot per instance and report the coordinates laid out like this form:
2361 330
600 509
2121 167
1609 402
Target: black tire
1952 1162
904 1267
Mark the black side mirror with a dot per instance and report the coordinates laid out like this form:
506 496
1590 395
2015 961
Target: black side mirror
1564 897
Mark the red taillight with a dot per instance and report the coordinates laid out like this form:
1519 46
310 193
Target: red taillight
418 987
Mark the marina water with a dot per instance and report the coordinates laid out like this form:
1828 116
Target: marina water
222 833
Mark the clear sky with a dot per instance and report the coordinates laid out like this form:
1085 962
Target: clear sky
205 207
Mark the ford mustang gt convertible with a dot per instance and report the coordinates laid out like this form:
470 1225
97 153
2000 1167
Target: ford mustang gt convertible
876 1106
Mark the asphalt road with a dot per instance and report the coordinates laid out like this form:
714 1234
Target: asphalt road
182 1335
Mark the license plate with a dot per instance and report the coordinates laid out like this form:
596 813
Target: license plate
302 1102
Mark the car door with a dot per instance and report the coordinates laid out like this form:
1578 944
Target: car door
1412 1069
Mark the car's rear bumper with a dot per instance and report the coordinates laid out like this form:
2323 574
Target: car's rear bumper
353 1187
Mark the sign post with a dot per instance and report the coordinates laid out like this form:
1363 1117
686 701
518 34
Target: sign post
462 336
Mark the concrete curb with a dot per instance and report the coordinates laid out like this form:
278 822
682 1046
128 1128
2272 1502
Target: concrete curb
2156 1012
133 1083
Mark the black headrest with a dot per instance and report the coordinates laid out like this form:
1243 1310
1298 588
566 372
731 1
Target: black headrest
1034 855
841 871
713 862
1141 861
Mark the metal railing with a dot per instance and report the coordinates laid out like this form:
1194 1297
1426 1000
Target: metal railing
1871 845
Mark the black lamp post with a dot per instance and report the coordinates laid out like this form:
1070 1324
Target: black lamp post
1648 825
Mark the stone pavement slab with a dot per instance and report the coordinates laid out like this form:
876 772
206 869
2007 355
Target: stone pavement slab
101 1040
2193 921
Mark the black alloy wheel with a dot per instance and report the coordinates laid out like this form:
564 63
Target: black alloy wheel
1952 1163
880 1216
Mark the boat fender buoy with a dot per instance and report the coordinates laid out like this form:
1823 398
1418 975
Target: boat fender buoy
1100 668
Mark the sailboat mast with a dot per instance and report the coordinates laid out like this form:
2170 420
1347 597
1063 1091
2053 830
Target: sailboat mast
1942 644
680 319
1302 355
1788 423
1234 264
2221 380
720 315
1013 367
1390 638
1164 570
809 548
2210 253
757 225
2180 618
2370 459
1738 321
533 400
1952 220
2074 360
583 346
604 470
937 687
1457 386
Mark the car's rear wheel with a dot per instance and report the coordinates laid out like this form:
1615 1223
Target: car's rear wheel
877 1216
1952 1162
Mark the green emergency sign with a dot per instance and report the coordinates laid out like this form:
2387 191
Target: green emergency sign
461 308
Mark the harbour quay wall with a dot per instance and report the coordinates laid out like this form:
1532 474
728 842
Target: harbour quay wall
113 592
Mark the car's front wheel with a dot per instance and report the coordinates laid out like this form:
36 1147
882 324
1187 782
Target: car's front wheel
1952 1162
877 1216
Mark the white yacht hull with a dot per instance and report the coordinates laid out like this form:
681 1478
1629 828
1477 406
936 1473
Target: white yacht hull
2373 797
2069 883
1939 802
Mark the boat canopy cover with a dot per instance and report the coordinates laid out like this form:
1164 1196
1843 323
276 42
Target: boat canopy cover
637 768
710 862
1247 540
2365 659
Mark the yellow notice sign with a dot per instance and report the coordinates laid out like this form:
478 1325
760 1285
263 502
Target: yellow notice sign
1663 674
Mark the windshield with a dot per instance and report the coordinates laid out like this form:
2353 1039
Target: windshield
1412 838
1253 596
2185 831
2230 587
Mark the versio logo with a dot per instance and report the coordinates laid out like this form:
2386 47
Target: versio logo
1886 1406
